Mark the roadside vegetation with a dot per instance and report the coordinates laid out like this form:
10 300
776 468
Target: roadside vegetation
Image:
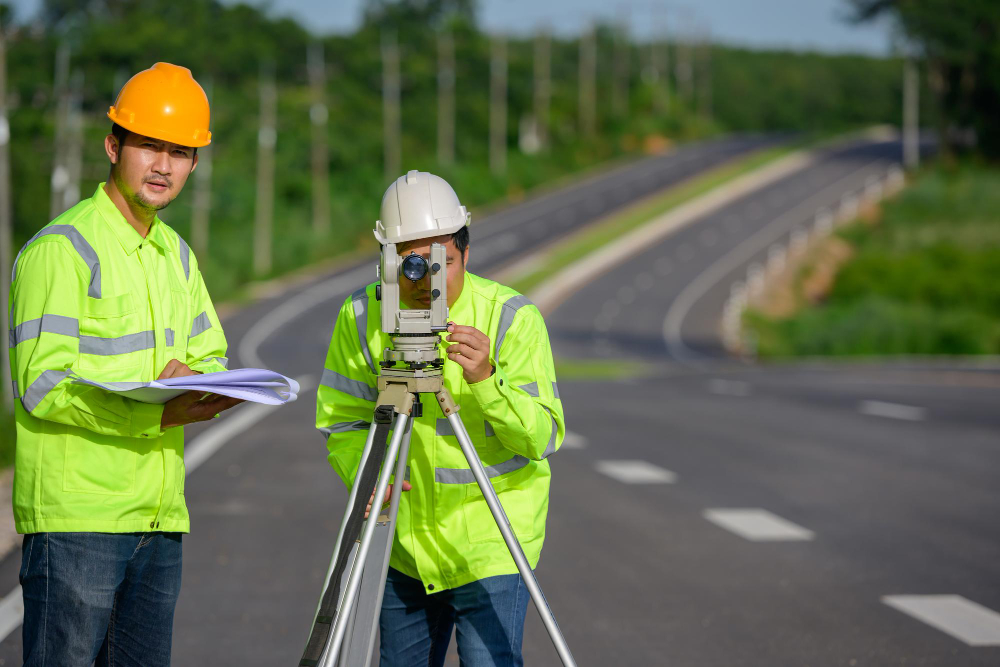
920 278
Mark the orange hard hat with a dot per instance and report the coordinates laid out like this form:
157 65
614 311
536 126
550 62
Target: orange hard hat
166 103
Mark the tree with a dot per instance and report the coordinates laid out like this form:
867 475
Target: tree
958 39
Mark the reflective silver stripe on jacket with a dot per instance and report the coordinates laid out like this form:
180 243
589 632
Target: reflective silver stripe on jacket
40 388
200 325
136 342
84 249
443 427
344 427
550 448
185 252
465 476
168 337
222 360
507 314
355 388
359 300
555 389
56 324
13 384
531 389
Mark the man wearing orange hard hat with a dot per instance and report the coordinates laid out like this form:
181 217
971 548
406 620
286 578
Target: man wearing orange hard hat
107 292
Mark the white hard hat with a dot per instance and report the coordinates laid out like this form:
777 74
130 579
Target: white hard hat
419 205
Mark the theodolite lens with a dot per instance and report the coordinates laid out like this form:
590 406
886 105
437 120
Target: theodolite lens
414 267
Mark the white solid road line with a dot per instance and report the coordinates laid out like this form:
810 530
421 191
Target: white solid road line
736 258
757 525
573 441
11 612
961 618
892 410
635 472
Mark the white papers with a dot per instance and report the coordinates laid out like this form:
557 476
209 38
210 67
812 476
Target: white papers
250 384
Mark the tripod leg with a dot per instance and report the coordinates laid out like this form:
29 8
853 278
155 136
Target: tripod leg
555 634
336 638
361 635
351 499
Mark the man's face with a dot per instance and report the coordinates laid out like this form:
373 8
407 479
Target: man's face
417 295
149 172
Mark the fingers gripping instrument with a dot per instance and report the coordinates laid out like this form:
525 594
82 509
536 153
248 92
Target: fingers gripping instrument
344 629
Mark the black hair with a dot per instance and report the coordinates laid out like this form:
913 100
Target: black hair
461 239
121 134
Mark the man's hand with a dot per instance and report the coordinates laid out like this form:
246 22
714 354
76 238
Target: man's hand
388 494
471 351
176 369
191 406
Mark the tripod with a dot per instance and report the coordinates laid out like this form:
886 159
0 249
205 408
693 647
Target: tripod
343 633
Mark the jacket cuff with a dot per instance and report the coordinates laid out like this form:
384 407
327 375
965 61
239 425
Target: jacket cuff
491 389
146 419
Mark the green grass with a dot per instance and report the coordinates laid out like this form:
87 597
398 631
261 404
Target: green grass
599 369
923 281
599 234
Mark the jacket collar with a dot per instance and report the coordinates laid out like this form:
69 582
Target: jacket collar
123 231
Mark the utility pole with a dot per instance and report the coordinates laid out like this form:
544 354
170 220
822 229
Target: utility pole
267 138
202 202
588 72
318 114
498 105
704 87
6 231
74 144
391 130
622 57
543 86
446 98
60 92
911 120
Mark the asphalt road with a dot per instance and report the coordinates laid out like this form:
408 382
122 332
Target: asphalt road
265 508
885 475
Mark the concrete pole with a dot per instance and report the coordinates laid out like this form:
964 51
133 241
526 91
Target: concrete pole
911 120
446 98
318 115
543 85
267 138
60 92
498 105
588 73
74 144
391 129
6 231
704 86
622 65
201 207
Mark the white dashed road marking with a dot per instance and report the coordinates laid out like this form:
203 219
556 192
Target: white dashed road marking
729 387
963 619
574 441
635 472
757 525
892 410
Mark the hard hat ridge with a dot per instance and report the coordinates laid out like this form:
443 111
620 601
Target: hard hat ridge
419 205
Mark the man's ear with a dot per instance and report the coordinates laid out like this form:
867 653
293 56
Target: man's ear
112 148
465 256
194 163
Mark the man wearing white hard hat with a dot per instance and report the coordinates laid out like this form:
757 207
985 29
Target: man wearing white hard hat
449 566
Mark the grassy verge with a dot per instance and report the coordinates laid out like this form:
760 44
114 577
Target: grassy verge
921 280
599 369
610 228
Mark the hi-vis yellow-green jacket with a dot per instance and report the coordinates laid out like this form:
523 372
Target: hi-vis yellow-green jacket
91 298
445 535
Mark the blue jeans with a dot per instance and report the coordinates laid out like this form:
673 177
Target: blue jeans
488 617
99 597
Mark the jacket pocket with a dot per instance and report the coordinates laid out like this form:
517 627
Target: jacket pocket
104 353
519 504
107 468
